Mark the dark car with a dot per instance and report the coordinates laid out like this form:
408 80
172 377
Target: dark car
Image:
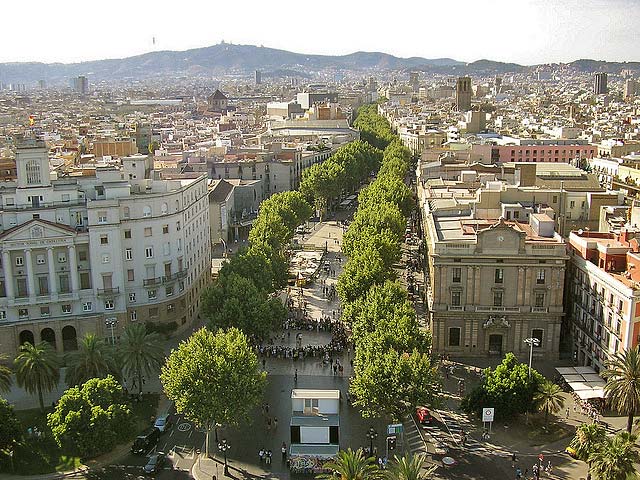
155 463
145 441
424 416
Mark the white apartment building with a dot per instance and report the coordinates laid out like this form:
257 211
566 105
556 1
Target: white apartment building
92 253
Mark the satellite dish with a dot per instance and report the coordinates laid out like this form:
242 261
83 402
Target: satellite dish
580 232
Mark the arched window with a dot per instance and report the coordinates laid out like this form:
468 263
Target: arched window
33 172
146 211
165 209
126 212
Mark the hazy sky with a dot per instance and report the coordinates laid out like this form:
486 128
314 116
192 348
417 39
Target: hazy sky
522 31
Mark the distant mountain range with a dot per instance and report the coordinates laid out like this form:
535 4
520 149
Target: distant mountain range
243 59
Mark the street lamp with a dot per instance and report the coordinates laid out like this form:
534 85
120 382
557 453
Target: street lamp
216 425
111 323
223 446
371 435
531 341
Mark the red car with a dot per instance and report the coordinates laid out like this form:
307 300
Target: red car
424 416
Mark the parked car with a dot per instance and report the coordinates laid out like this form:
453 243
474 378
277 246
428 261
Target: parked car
424 416
155 463
145 441
163 423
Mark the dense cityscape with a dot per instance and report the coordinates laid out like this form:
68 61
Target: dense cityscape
237 261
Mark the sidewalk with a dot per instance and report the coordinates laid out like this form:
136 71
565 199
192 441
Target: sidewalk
213 467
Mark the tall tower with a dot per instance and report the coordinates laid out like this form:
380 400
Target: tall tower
600 83
463 94
258 77
414 80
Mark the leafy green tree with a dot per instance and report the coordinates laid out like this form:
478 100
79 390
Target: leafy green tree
140 352
93 359
5 375
384 216
352 465
234 301
623 384
507 388
384 242
588 439
410 467
37 369
374 129
214 378
615 458
387 189
393 383
91 419
549 399
10 429
361 272
259 263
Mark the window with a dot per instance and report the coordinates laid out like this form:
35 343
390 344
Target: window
102 217
82 256
146 211
455 298
178 226
164 209
181 286
152 294
539 300
127 234
540 277
40 259
165 229
33 172
457 273
153 312
148 252
62 258
3 315
537 333
106 258
454 336
23 312
108 305
87 306
132 297
104 240
66 308
555 197
130 275
85 281
620 305
44 311
126 213
498 275
133 315
169 291
166 248
572 204
9 201
497 298
65 197
148 231
19 261
128 254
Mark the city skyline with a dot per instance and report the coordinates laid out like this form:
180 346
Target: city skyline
533 32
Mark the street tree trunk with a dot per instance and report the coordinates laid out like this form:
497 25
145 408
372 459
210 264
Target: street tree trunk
206 441
41 398
630 422
139 381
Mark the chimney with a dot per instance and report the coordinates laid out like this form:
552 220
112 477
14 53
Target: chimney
624 236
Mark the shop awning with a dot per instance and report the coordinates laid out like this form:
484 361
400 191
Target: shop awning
584 381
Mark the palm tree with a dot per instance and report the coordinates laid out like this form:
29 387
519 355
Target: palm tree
588 439
37 369
5 375
93 359
615 458
352 465
549 399
623 383
409 467
140 352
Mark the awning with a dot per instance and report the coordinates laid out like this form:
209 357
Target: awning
313 450
584 381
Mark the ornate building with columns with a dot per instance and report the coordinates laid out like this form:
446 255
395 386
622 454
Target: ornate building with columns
491 284
96 251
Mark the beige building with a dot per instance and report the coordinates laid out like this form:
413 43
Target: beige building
494 283
114 147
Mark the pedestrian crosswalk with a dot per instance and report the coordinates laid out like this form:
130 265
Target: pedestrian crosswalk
451 434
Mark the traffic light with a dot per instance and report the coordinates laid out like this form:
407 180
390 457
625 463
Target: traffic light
391 443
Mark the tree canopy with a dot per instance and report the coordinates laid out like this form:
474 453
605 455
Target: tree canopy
10 428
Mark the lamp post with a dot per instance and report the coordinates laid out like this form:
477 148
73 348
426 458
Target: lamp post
223 446
216 426
111 323
371 435
531 341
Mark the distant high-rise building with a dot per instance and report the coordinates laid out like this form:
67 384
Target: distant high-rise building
258 77
630 88
414 80
42 84
600 83
81 84
463 94
498 84
372 84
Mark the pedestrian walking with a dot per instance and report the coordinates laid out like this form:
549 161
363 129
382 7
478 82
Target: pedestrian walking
295 376
275 423
283 449
514 459
261 455
268 457
268 424
518 473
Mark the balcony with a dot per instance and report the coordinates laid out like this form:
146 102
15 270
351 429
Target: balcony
539 310
456 308
31 206
150 282
174 276
489 309
108 291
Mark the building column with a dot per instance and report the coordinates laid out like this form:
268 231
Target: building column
73 267
53 284
8 274
31 279
469 288
477 288
520 286
528 284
